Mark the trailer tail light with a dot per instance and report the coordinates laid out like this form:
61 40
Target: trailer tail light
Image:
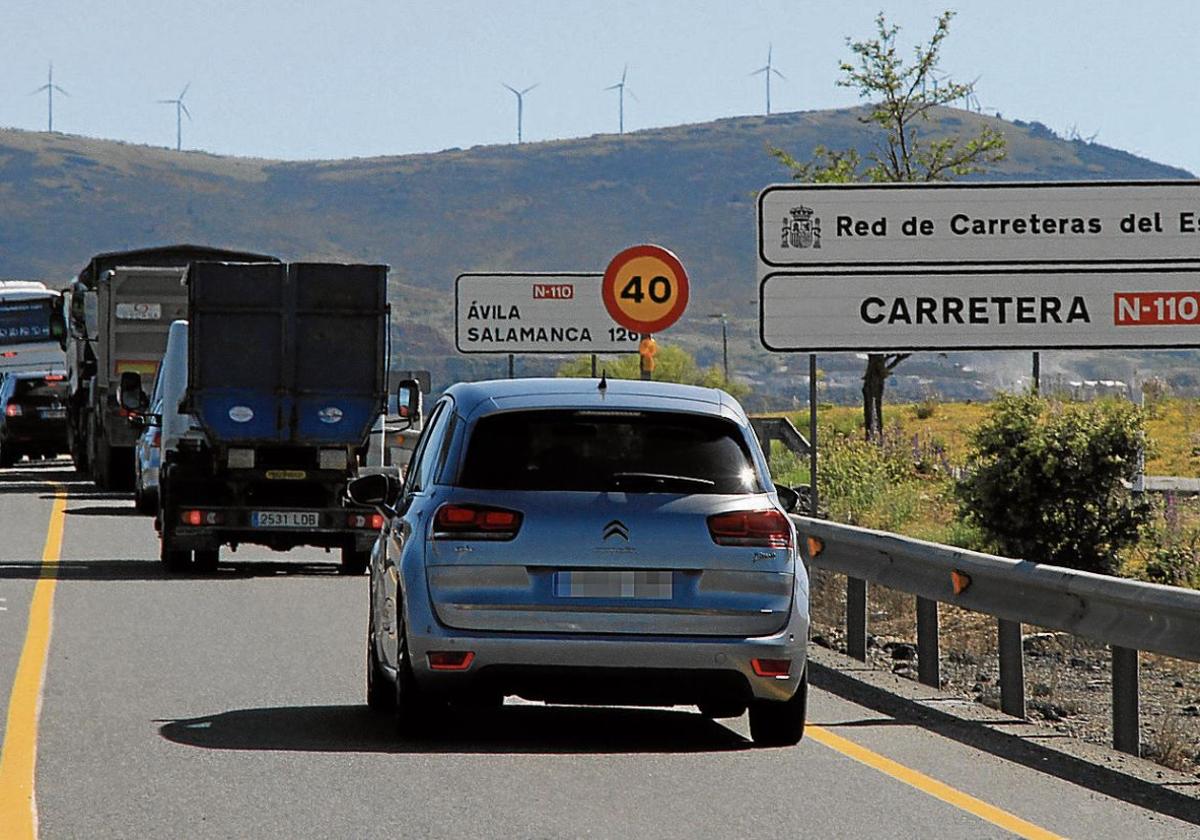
450 660
8 354
12 410
55 377
475 522
373 521
196 518
777 668
768 528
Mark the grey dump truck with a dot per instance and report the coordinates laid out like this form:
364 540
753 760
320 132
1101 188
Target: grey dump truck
286 375
118 311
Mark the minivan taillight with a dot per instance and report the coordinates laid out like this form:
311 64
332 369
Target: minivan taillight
766 527
12 410
475 522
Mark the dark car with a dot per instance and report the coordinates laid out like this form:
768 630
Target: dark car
33 416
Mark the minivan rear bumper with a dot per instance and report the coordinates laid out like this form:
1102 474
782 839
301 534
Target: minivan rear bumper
566 667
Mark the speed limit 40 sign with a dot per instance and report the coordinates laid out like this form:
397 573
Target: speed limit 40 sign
645 288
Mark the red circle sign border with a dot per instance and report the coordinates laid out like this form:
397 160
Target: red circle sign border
610 297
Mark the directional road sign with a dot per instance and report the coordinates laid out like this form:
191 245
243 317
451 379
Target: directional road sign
957 309
825 225
536 313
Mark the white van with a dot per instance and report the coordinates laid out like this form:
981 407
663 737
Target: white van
171 425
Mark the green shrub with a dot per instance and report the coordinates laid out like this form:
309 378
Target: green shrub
1174 565
927 406
1044 480
867 483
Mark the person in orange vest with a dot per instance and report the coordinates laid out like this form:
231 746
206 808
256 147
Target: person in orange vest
647 349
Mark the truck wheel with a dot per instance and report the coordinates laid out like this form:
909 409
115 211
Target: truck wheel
206 560
174 559
354 562
98 455
780 724
77 449
120 468
8 455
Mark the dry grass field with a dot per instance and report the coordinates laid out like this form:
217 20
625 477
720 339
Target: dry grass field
1068 679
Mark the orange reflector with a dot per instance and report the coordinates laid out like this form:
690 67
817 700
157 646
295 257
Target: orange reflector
771 667
961 581
450 660
815 546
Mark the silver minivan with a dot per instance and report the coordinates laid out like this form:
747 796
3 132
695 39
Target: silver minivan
588 541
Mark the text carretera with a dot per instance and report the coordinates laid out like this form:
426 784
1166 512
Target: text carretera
989 309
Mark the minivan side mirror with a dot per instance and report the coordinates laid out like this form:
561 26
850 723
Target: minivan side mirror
792 500
375 489
130 395
408 401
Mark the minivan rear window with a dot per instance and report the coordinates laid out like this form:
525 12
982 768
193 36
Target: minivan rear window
632 451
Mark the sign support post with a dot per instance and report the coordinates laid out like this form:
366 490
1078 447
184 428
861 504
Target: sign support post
814 505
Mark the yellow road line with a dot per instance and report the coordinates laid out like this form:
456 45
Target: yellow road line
931 786
18 756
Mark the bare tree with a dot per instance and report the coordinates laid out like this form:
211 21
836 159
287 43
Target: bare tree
902 97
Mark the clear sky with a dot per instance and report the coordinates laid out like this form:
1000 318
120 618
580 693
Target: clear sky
301 79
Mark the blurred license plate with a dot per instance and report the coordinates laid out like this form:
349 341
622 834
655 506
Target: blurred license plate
613 584
52 413
285 519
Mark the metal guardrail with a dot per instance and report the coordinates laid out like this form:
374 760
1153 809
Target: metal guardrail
1127 615
767 429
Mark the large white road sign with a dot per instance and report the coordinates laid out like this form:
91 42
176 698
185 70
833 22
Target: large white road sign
1034 308
536 313
825 225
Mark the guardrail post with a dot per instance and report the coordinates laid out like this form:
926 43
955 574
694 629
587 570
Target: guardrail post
1012 669
856 618
1125 679
928 666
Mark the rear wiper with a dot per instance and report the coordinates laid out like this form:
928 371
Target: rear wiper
658 481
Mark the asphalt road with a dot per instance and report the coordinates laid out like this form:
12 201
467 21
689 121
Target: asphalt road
232 706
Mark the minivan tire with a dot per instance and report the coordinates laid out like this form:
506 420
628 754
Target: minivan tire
381 692
780 724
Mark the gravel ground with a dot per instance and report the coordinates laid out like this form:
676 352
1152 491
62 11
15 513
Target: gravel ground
1068 680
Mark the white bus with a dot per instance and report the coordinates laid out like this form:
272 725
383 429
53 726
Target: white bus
31 327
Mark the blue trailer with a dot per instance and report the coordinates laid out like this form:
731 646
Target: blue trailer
286 374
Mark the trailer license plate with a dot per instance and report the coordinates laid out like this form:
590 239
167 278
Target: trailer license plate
285 519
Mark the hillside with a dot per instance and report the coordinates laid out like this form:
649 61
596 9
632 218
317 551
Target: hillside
568 204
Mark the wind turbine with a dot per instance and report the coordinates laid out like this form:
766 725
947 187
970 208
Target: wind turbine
180 110
620 88
520 94
767 71
50 87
